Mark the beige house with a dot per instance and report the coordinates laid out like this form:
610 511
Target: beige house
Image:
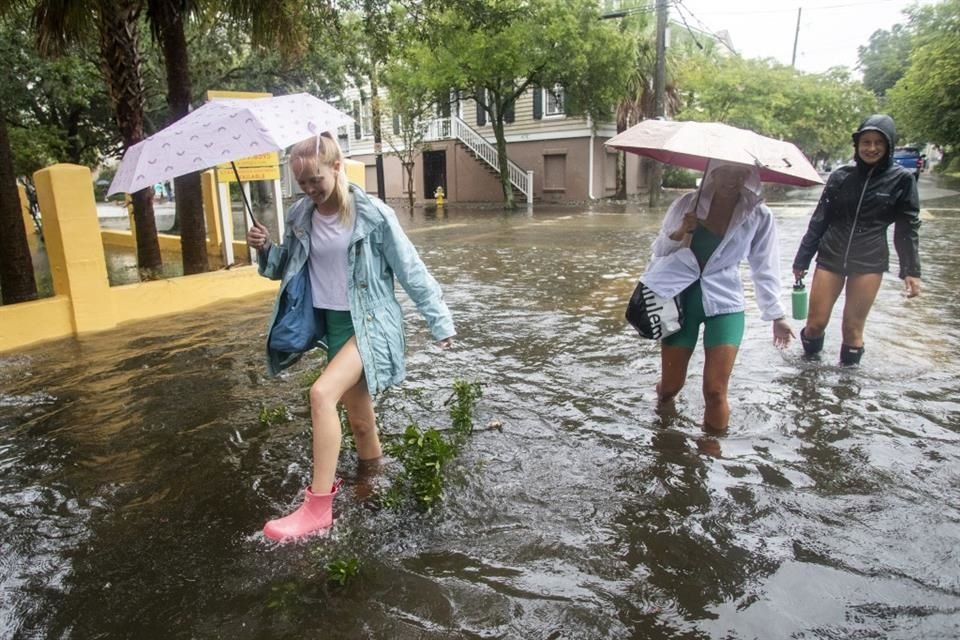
553 157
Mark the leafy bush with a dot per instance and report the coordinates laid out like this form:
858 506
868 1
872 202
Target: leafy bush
677 178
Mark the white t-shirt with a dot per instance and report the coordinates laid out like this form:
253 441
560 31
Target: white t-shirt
329 244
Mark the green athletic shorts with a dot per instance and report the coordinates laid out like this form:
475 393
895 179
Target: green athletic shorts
726 328
339 327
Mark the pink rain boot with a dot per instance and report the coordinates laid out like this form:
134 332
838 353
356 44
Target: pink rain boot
315 514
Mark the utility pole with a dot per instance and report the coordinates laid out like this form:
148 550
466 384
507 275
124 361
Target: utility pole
660 70
659 89
375 110
796 36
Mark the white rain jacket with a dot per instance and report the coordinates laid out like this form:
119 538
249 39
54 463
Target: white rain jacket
751 235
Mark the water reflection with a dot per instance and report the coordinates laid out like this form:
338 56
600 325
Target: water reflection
136 476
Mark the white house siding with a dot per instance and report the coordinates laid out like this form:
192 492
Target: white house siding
533 144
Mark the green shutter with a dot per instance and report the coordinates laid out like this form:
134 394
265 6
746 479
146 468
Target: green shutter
481 112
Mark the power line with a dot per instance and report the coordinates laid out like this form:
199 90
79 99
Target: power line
679 6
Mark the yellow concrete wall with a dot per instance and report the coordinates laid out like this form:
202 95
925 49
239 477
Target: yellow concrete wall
177 295
84 301
356 172
32 238
36 321
168 243
72 235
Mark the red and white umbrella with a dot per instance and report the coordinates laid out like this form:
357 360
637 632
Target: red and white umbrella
693 145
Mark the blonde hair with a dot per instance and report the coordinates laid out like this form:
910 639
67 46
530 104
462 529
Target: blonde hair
323 150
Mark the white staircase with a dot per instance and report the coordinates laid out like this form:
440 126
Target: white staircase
454 127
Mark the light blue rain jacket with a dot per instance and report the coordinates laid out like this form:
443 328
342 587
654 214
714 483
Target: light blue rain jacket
379 250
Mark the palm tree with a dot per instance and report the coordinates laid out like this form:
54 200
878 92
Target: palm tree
115 23
278 23
166 18
638 98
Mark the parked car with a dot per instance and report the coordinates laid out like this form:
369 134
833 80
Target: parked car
910 159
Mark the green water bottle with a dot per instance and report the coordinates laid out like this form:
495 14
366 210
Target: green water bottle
799 299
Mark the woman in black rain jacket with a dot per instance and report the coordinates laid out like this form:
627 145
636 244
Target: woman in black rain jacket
848 234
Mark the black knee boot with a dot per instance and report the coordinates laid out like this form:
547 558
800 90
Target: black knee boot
850 355
811 346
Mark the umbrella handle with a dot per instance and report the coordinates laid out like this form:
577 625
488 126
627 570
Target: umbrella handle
688 238
243 194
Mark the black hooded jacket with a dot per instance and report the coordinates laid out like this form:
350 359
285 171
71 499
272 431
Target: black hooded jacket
848 229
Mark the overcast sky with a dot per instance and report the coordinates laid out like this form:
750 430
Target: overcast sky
830 30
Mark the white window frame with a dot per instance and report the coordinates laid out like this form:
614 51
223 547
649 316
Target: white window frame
553 102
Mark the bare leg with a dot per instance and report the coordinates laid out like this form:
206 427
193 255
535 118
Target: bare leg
717 368
862 290
363 421
342 373
824 291
673 371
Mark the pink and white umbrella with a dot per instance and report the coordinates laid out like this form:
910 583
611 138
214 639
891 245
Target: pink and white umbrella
692 145
224 131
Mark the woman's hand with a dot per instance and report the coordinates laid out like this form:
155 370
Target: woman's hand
687 225
799 274
446 343
782 333
911 285
258 237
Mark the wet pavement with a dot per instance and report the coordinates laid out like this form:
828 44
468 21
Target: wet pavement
135 474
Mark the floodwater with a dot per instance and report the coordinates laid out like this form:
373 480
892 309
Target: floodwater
136 475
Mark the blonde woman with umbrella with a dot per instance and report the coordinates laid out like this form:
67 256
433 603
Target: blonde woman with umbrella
352 248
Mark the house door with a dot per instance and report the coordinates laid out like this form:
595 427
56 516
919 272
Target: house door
434 172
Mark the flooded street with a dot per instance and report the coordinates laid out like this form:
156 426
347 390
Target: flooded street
135 474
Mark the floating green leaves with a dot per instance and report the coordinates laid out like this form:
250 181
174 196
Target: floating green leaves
343 570
424 453
273 415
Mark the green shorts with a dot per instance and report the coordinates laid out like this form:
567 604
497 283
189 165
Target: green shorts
339 327
726 328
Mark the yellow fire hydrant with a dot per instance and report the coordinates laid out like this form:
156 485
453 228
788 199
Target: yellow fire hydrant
438 196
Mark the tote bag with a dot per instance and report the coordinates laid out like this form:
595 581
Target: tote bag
295 328
654 317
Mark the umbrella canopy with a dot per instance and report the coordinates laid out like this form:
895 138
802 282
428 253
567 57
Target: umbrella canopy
224 131
693 144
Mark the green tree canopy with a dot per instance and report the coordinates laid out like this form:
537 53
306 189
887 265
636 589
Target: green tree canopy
885 58
926 101
494 50
57 109
816 112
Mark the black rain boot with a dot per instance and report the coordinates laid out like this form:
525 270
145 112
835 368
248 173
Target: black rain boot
850 356
811 346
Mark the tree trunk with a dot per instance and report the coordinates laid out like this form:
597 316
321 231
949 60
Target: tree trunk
168 23
408 167
122 71
621 193
16 265
497 122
